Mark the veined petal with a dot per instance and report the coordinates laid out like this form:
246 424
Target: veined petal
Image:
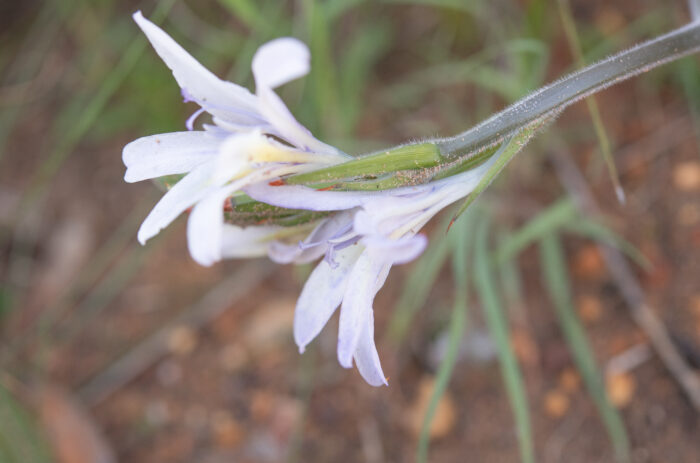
286 126
365 279
301 197
399 251
219 97
316 243
167 154
366 355
283 253
205 227
192 188
246 242
321 295
280 61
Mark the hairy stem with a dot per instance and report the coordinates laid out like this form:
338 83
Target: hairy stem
572 88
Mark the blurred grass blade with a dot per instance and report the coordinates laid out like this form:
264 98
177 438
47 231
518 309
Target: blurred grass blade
461 237
356 65
248 12
511 280
555 97
417 289
67 141
599 232
498 327
557 281
555 216
323 81
20 437
505 153
603 139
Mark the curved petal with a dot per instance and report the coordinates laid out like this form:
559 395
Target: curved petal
399 251
315 244
301 197
220 98
366 355
237 242
280 61
283 253
184 194
167 154
322 294
286 126
205 227
363 284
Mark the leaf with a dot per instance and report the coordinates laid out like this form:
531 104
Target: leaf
555 216
557 281
498 327
598 231
460 256
21 440
505 153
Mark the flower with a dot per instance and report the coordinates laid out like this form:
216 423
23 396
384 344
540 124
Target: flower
373 231
253 144
238 150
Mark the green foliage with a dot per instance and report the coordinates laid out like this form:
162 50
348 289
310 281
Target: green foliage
498 326
557 283
460 241
21 440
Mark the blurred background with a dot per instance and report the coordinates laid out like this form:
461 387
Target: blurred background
567 327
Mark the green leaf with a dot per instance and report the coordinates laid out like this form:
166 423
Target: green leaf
461 237
505 153
498 327
557 281
406 157
555 216
596 230
21 440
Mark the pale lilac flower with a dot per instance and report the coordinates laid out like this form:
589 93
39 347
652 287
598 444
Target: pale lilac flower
373 231
255 140
237 151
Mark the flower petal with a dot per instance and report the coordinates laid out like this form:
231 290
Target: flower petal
399 251
315 244
301 197
167 154
205 227
275 63
280 61
246 242
286 126
223 99
321 295
365 279
366 355
184 194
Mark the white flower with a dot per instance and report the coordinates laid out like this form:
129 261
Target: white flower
372 232
237 151
255 140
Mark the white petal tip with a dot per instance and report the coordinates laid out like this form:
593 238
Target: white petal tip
302 349
345 362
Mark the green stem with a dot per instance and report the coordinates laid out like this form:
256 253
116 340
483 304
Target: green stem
572 88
